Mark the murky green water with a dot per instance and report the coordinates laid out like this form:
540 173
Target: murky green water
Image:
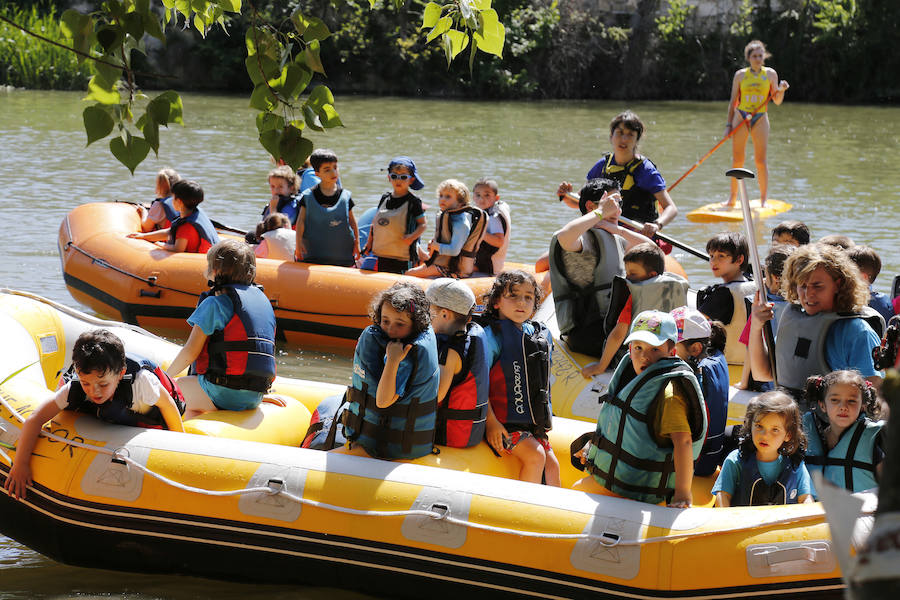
834 164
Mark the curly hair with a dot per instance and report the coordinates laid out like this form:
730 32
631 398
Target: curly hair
405 297
852 293
231 262
817 386
462 192
777 403
288 174
503 283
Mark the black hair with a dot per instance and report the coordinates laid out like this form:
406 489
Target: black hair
320 157
718 336
733 243
505 281
648 255
405 297
796 229
189 192
778 253
98 350
630 121
593 191
816 389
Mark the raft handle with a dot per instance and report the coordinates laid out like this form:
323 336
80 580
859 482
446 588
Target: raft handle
150 294
441 511
775 557
119 456
275 485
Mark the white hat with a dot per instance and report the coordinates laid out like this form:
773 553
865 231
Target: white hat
692 324
451 294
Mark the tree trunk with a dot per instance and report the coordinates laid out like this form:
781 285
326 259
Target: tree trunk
631 80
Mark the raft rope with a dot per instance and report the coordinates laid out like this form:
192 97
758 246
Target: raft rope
120 455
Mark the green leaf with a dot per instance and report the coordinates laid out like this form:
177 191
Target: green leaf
131 151
230 5
311 28
312 57
255 62
269 140
262 99
110 37
133 24
98 123
77 27
293 148
482 4
312 118
294 80
266 121
152 25
319 97
459 40
492 43
100 93
430 15
184 7
261 41
151 133
167 108
443 25
329 116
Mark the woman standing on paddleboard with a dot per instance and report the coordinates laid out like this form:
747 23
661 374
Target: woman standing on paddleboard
751 91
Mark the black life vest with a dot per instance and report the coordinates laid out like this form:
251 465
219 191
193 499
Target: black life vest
637 204
754 491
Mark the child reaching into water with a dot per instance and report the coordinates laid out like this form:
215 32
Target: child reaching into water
393 397
276 238
519 351
845 444
232 340
162 212
457 233
767 467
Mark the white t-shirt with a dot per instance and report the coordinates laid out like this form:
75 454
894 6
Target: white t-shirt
145 393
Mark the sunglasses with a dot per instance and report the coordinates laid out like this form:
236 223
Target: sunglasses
400 177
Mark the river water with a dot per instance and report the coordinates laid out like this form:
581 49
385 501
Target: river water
833 163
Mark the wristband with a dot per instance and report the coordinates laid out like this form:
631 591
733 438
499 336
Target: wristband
658 224
598 213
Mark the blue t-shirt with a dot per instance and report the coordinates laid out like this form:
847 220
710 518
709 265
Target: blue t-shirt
882 303
212 315
849 344
646 176
308 179
729 479
460 225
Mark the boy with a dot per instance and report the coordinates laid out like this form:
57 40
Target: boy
794 233
400 220
192 231
491 253
111 386
728 301
653 397
869 264
326 228
463 387
648 287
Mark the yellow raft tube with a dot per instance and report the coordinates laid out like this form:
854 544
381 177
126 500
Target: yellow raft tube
237 499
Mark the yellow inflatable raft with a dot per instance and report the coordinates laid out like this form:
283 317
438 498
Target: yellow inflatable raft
137 282
226 502
715 212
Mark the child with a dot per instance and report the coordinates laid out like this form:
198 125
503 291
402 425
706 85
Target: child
307 176
463 389
647 287
326 228
838 240
457 233
700 344
729 301
283 185
869 264
827 325
519 351
793 233
393 397
276 238
652 425
114 387
232 340
846 445
768 466
191 231
162 212
491 253
400 220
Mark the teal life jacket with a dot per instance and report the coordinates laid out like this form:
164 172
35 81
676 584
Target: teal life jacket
327 233
851 463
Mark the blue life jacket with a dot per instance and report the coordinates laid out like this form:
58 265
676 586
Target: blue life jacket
169 210
624 456
288 206
204 227
242 355
406 428
851 463
118 408
324 431
754 491
714 381
519 388
461 416
327 232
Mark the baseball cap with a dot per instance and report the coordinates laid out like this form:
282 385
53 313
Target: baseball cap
691 323
451 294
653 327
405 161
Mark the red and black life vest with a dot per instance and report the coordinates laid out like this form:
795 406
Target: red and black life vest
201 223
462 414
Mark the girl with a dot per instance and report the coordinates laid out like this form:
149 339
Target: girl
844 443
162 212
232 342
283 185
457 233
519 350
751 90
826 327
767 467
276 238
393 397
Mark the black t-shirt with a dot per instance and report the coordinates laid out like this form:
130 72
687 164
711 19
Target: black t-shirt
415 204
717 303
326 201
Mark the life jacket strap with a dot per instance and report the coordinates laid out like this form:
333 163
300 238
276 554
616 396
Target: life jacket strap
254 383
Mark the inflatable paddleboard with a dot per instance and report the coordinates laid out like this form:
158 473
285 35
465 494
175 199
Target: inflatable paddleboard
712 213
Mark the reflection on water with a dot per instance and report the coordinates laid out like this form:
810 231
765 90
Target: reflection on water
832 163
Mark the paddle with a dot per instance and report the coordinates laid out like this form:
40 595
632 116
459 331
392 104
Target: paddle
639 226
740 175
215 223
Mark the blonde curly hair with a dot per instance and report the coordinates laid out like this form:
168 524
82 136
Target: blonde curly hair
852 294
462 191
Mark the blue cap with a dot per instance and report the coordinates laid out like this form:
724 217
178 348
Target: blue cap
405 161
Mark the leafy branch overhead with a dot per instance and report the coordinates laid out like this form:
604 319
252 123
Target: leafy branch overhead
281 63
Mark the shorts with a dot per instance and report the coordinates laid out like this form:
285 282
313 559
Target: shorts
517 436
391 265
753 119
